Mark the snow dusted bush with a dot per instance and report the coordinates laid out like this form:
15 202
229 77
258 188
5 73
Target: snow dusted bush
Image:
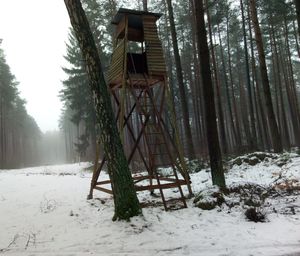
265 158
253 158
209 198
196 165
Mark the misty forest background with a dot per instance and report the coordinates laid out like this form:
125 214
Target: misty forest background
242 117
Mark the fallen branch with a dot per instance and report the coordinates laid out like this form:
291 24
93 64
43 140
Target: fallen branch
12 242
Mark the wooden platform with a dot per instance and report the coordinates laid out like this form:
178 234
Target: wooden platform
138 81
168 183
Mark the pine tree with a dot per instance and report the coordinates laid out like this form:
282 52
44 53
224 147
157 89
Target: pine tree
210 112
277 145
253 138
19 133
76 93
181 87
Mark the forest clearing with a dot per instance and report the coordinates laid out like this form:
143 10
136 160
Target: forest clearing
161 127
44 212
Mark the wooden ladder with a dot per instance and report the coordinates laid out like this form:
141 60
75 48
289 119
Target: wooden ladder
160 154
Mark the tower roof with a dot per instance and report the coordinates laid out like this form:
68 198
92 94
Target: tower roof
134 17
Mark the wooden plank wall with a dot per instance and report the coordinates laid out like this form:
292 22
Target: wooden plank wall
117 62
154 52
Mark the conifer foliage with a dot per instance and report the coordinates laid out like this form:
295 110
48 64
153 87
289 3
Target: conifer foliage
19 133
78 115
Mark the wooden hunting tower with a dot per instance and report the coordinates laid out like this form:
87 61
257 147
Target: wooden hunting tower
138 84
138 50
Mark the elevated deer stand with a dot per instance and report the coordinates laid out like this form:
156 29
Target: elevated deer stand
138 84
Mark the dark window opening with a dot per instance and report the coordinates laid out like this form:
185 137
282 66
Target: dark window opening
137 63
136 58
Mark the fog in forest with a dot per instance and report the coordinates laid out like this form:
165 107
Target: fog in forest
150 127
254 73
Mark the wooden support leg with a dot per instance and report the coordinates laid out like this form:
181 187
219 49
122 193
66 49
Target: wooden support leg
95 177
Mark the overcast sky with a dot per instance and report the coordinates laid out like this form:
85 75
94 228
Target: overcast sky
34 33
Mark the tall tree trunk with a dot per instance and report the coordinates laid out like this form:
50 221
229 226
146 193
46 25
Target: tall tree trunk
125 199
253 140
291 72
226 86
243 105
275 86
285 132
217 84
182 92
290 89
261 121
261 139
197 95
199 86
210 112
276 141
237 121
291 102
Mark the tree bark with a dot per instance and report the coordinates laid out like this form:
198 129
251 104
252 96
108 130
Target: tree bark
253 140
277 145
217 84
125 199
218 177
261 120
199 101
230 115
237 121
291 73
182 92
285 133
287 71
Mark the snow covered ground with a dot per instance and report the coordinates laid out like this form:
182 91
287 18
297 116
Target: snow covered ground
44 211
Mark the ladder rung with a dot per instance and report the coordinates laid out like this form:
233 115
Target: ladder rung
156 186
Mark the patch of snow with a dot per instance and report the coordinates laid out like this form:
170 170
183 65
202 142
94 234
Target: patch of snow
44 211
